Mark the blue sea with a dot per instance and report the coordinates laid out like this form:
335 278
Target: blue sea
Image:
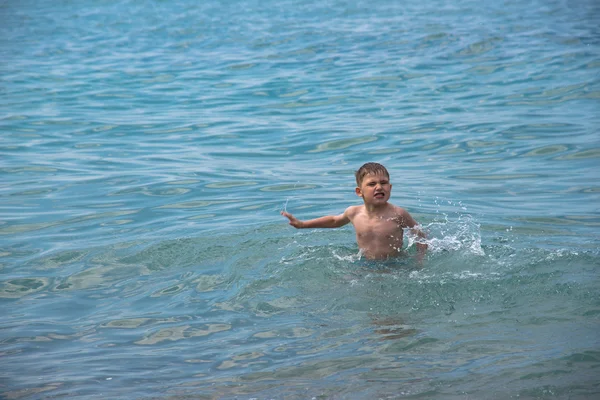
148 147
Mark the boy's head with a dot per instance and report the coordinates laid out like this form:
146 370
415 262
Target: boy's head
370 168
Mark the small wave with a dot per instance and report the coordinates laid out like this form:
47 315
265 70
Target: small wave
351 258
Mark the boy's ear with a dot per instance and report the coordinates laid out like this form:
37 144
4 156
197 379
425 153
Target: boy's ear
358 192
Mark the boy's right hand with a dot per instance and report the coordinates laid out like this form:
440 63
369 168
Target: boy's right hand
295 222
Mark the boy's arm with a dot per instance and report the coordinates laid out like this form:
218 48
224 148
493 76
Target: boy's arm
409 222
328 221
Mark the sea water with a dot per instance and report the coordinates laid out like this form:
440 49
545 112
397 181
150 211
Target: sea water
147 148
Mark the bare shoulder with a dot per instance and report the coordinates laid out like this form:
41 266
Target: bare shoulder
353 211
399 210
404 217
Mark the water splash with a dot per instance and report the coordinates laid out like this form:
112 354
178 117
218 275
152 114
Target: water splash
461 234
284 209
451 230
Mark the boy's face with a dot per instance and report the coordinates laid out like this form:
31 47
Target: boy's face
375 189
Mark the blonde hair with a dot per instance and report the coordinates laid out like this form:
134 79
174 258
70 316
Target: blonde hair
370 168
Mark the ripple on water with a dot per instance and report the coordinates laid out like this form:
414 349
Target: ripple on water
497 177
589 153
21 287
195 204
547 150
538 131
343 144
181 333
230 184
287 187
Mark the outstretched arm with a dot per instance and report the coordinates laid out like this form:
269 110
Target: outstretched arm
328 221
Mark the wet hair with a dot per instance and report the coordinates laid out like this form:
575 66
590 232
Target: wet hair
370 168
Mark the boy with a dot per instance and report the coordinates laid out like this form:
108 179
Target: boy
378 224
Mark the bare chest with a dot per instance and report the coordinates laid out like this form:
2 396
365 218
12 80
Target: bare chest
378 229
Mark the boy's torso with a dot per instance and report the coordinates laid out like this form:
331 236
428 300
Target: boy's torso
378 236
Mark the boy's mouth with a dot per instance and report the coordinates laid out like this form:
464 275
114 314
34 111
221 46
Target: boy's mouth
379 195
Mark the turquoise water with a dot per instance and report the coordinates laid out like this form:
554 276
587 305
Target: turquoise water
147 148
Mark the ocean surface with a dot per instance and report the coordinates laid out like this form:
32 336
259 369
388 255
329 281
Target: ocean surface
148 147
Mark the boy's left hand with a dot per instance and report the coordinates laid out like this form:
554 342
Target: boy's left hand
295 222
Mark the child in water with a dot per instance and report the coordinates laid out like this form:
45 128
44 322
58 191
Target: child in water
379 225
